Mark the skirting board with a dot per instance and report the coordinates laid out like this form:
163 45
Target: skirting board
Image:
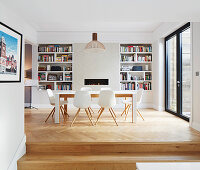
159 108
21 150
195 126
26 104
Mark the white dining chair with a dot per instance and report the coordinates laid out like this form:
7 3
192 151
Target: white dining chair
52 102
88 89
128 104
107 100
105 88
82 100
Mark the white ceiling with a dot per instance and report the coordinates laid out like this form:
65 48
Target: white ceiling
103 15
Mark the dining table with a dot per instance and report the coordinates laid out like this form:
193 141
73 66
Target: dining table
66 94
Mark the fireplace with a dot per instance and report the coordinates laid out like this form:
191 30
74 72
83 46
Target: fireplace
96 82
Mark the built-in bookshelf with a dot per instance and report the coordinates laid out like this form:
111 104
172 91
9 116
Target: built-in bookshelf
136 66
55 66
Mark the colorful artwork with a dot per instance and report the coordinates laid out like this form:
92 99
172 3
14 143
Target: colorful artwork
10 54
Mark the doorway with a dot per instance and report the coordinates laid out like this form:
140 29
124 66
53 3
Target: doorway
178 73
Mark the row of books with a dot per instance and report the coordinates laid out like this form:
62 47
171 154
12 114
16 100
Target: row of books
46 58
148 77
136 49
64 87
54 48
68 77
64 58
44 87
144 58
41 76
136 86
128 76
126 58
128 86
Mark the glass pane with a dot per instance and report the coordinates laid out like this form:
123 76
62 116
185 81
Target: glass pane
186 74
172 76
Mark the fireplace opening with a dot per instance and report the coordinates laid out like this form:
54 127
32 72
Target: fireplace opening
96 82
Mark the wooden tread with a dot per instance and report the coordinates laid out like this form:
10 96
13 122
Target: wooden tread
100 161
112 147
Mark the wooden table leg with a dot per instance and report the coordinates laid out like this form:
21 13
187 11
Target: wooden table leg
57 108
134 107
65 106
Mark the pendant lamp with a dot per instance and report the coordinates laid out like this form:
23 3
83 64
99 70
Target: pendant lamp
95 45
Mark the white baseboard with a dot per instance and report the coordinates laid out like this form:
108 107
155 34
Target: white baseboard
26 104
159 108
195 126
21 150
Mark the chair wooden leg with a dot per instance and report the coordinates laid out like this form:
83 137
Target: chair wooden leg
140 114
52 111
129 106
91 110
124 110
65 111
75 116
113 112
88 114
102 109
113 116
62 111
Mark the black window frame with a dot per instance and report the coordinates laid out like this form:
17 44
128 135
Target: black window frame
176 33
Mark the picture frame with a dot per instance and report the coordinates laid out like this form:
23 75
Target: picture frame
10 54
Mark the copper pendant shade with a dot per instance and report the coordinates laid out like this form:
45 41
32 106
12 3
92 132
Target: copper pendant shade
95 45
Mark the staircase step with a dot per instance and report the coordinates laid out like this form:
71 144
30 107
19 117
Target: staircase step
100 161
112 147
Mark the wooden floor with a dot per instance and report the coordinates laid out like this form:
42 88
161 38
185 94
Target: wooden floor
157 127
162 137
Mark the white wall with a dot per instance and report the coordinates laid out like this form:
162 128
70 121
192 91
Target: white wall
158 75
159 62
104 65
195 121
12 140
85 37
108 61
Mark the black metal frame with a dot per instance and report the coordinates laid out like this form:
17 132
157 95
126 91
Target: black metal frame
20 69
176 33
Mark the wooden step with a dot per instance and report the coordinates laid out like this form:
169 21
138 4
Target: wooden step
100 161
112 147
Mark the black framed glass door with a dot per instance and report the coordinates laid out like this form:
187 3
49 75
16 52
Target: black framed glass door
177 72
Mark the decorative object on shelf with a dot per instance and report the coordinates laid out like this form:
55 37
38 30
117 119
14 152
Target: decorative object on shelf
10 54
52 77
56 68
95 45
146 67
48 67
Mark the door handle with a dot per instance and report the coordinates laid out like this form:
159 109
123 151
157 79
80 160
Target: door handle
178 83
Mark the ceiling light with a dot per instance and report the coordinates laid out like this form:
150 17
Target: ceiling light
95 45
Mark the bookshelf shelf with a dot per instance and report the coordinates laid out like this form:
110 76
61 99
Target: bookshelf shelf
138 62
55 63
136 66
135 52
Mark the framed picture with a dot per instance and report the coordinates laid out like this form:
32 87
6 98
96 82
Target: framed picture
10 54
